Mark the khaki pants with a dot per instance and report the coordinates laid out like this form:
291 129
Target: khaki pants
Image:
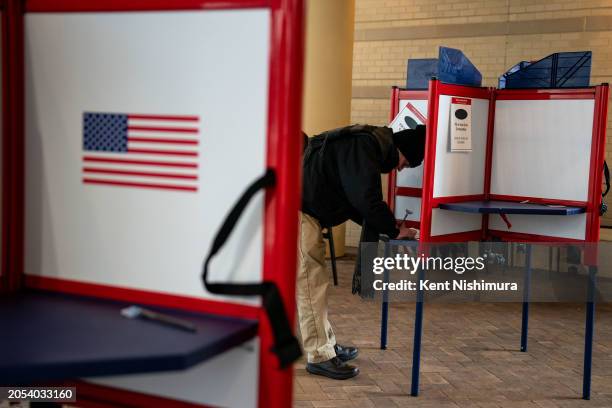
317 334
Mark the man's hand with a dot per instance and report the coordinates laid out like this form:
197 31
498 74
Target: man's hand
407 233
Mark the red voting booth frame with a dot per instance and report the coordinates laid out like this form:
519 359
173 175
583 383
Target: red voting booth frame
282 202
436 88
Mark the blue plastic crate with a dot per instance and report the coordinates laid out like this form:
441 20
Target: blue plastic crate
559 70
451 67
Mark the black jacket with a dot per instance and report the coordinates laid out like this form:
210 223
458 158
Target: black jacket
342 169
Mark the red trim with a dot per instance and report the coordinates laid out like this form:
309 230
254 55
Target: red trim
140 173
145 297
410 94
284 152
410 223
139 185
163 152
73 6
140 162
538 94
100 396
392 179
463 91
164 129
13 146
429 162
164 117
435 202
155 140
489 150
522 237
489 158
598 151
408 191
538 200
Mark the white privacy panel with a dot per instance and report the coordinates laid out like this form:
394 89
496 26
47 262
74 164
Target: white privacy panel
124 63
198 385
450 222
412 177
403 203
562 226
542 148
460 173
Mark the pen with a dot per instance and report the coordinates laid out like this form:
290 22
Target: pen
134 312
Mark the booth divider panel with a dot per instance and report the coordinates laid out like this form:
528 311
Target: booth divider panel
460 173
445 222
542 148
554 226
145 238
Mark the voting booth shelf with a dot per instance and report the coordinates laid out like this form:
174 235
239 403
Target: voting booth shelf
122 156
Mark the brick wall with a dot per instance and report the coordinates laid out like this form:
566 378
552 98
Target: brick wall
494 34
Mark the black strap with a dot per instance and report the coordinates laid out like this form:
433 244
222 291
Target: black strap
286 346
606 171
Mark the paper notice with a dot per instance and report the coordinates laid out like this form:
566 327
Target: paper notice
461 125
407 118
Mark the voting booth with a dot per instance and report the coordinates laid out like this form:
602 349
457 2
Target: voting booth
519 165
531 147
144 124
541 146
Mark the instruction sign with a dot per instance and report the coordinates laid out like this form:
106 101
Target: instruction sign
408 118
461 125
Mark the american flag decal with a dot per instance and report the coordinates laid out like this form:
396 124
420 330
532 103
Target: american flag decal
141 151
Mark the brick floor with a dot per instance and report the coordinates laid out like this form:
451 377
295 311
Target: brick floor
470 356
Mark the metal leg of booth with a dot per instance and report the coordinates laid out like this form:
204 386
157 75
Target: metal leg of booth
384 318
418 333
588 335
526 293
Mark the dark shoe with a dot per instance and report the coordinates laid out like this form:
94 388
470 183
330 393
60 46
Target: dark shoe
346 353
334 368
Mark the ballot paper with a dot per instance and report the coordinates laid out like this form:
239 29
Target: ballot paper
407 118
461 125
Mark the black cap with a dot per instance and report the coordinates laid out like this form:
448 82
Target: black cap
411 143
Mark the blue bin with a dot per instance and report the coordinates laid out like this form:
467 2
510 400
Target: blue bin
451 67
559 70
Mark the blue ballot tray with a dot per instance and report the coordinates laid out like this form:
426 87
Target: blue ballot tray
51 336
451 67
558 70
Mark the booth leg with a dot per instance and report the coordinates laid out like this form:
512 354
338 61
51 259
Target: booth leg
526 293
416 352
588 336
384 308
418 333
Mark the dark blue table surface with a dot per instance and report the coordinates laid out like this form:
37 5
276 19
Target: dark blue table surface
47 336
510 207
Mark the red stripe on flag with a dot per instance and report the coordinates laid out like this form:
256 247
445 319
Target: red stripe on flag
164 117
142 185
163 152
163 129
154 140
139 173
140 162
